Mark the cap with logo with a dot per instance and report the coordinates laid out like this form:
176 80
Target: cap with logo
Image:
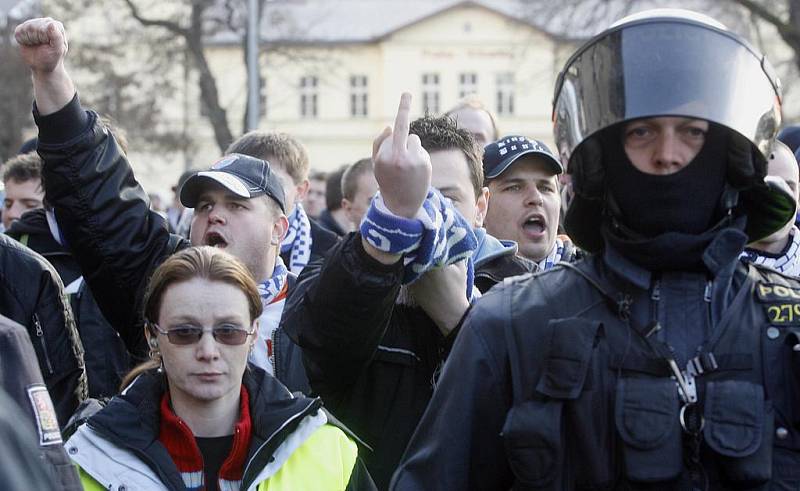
242 175
498 156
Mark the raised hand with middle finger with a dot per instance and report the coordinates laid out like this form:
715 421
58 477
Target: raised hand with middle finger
402 166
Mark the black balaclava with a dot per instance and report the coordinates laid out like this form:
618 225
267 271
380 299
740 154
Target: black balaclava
687 201
665 222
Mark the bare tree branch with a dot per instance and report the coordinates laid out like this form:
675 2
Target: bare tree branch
171 26
785 28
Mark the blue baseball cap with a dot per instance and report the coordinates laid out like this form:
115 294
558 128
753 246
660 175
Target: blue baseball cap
242 175
498 156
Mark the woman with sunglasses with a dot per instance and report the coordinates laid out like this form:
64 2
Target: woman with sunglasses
195 416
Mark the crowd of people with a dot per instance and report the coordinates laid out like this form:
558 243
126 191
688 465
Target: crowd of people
462 309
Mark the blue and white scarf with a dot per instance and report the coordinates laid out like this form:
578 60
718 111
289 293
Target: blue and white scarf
273 286
273 298
438 236
787 263
298 240
555 256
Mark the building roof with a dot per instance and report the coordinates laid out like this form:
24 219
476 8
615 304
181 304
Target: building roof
362 21
368 21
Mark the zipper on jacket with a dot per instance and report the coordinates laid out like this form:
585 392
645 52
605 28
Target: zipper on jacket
655 295
300 414
275 356
42 343
707 293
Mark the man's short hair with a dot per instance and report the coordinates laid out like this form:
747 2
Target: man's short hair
333 189
276 148
351 176
473 102
442 133
318 175
273 208
23 168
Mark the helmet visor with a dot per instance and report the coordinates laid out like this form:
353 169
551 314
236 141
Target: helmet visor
666 67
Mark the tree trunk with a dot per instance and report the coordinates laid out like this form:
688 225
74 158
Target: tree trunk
208 85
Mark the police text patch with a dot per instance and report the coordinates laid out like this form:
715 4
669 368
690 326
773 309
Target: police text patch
771 293
45 415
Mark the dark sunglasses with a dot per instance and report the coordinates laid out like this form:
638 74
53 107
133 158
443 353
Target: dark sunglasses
183 335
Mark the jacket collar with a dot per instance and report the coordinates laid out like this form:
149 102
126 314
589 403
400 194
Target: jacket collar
180 442
131 420
34 225
720 258
490 247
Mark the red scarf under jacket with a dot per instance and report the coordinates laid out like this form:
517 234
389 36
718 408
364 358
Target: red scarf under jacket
179 440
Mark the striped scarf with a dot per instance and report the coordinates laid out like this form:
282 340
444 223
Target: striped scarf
553 258
298 240
179 441
273 297
438 236
787 262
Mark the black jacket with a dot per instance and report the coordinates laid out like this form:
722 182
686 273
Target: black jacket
496 267
105 355
131 421
559 381
326 221
31 293
374 362
21 383
105 218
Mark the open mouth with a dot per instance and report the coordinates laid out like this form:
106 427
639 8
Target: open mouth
214 239
534 225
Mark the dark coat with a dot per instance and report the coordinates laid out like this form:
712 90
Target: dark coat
35 432
105 355
559 380
326 221
105 218
31 293
373 361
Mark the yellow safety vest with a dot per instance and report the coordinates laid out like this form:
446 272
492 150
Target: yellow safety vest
323 462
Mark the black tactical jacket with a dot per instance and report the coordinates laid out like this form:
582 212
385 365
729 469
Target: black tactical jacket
22 383
560 381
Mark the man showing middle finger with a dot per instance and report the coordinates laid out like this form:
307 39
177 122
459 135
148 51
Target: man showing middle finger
373 336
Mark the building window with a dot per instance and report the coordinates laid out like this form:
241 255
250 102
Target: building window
308 96
505 94
467 84
430 93
358 96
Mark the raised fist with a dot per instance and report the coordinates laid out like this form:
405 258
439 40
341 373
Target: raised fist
42 44
402 166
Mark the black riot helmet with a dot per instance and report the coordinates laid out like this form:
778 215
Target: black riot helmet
669 62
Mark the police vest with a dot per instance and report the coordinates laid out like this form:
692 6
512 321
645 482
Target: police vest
605 409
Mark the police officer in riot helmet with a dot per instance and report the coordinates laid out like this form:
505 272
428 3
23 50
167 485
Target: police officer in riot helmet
661 361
